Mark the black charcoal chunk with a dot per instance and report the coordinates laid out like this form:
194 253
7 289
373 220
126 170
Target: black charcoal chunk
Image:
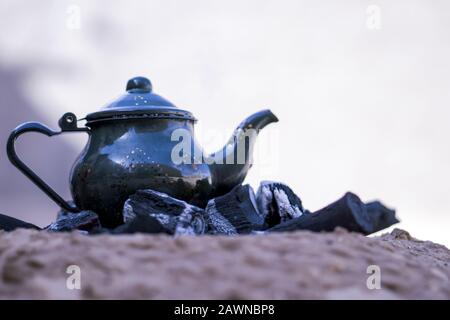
84 220
381 216
141 224
191 222
349 212
218 224
8 223
234 212
176 216
277 203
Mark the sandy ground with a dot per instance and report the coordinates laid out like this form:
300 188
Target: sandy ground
279 266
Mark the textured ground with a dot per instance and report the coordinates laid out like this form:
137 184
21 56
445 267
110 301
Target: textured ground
279 266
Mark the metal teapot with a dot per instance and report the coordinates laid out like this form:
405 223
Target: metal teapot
134 143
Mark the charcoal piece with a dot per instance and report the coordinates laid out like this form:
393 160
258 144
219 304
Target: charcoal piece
277 203
234 212
153 202
84 220
349 212
141 224
177 216
381 216
217 223
191 222
135 207
8 223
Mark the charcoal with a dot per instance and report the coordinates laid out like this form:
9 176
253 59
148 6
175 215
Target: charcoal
381 216
191 222
277 203
349 212
141 224
218 224
83 220
168 220
8 223
234 212
176 216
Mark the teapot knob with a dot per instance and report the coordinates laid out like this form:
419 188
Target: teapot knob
139 83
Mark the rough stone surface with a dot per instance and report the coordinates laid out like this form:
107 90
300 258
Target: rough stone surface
293 265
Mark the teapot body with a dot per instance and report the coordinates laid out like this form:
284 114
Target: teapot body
132 146
124 156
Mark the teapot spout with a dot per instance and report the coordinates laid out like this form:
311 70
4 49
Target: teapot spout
230 165
258 120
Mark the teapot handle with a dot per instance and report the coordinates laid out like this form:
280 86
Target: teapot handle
67 123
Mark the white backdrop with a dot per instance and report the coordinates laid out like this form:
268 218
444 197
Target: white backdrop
361 88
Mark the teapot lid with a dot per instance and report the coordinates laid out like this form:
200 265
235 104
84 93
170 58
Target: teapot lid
139 102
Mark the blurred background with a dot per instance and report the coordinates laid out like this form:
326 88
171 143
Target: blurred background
361 89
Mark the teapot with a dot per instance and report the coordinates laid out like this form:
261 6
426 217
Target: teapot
135 143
